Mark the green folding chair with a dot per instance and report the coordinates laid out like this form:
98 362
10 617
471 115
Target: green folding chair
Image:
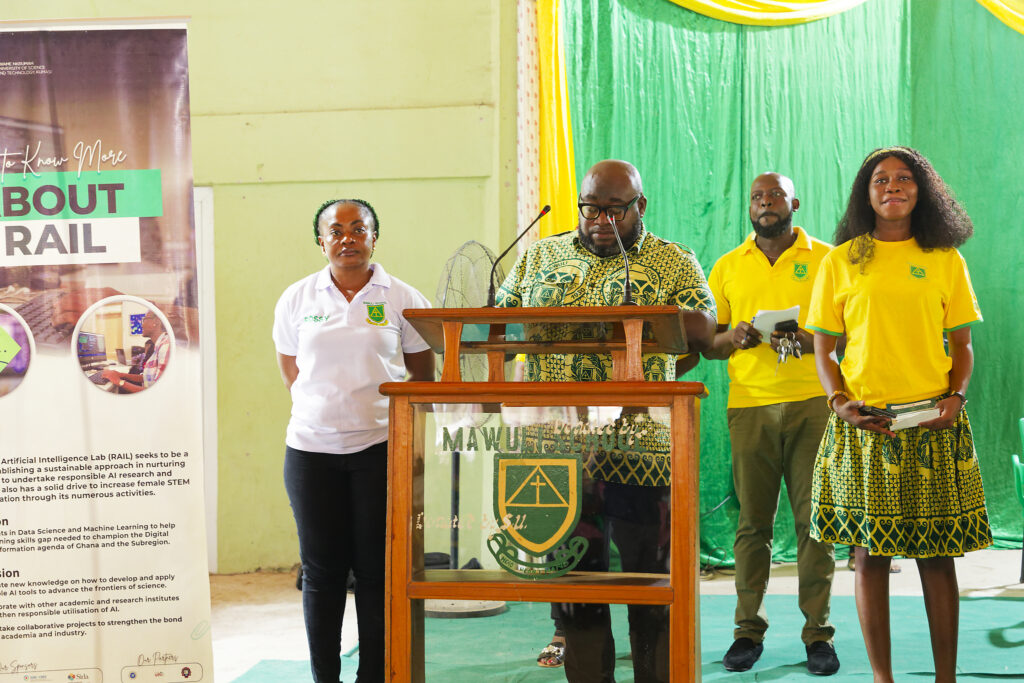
1018 484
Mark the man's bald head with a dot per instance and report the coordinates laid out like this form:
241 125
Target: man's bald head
613 172
778 179
611 184
772 203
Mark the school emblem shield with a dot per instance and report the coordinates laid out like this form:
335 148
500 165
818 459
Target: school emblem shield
537 500
375 314
800 271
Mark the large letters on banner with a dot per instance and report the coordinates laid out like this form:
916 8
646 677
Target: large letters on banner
102 549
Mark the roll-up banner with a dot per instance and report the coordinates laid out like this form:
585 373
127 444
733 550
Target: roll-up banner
102 542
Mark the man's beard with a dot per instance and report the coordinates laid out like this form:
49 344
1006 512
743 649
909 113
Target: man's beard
774 229
628 240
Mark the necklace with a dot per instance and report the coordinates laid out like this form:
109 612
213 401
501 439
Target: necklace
348 292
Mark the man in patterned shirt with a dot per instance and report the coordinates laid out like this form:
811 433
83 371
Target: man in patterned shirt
625 493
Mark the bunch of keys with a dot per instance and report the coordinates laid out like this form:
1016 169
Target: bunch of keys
789 345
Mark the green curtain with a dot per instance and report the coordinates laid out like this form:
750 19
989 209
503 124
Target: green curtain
966 104
702 106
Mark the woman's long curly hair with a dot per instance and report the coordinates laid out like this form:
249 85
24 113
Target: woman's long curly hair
938 221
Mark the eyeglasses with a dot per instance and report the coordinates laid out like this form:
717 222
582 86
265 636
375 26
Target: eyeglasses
615 212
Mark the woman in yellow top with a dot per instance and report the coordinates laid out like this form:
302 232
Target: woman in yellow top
899 291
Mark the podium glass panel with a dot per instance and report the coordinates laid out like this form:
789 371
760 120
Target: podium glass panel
505 646
538 492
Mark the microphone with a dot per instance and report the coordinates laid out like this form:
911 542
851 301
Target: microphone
627 286
490 286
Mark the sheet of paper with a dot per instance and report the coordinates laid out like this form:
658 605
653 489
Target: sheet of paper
913 418
765 321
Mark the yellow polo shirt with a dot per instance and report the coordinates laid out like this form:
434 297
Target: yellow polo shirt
894 315
742 283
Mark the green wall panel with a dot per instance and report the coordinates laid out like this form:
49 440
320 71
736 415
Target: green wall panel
410 105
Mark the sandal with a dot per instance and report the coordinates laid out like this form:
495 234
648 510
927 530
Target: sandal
552 656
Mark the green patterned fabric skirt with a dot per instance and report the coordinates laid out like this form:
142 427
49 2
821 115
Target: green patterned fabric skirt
917 495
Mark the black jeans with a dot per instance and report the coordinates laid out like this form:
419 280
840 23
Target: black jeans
340 503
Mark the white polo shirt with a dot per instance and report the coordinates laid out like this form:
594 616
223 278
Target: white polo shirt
344 350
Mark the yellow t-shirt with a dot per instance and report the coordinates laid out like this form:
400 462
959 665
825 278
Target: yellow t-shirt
743 282
894 315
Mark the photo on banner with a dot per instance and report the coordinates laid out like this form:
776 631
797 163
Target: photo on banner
102 536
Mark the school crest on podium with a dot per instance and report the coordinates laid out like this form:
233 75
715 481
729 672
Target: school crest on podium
537 500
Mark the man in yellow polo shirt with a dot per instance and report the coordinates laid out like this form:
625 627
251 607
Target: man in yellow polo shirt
777 415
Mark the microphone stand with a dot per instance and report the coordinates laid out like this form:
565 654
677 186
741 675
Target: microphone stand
627 286
490 285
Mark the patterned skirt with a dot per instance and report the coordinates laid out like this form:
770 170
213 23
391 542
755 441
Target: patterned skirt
916 495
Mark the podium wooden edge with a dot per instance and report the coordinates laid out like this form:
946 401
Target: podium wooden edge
628 393
436 326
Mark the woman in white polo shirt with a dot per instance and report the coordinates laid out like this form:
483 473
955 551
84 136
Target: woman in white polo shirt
339 334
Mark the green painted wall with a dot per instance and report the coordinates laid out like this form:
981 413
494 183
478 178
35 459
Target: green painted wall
410 105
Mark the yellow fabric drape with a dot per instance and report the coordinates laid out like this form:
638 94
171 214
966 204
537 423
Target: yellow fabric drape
1010 12
768 12
557 164
782 12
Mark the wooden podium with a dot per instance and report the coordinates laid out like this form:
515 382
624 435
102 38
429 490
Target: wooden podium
634 330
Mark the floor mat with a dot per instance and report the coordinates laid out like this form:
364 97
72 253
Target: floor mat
291 671
504 648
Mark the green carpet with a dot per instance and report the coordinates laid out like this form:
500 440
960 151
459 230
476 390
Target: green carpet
504 648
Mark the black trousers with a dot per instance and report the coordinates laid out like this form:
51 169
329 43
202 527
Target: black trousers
635 518
340 504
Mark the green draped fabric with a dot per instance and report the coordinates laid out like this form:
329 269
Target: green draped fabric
702 106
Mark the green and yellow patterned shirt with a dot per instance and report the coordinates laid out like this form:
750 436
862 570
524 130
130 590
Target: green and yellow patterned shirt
559 271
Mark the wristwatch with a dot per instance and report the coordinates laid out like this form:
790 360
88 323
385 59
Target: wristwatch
963 399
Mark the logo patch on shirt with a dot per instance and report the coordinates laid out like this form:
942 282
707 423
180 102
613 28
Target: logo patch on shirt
917 271
316 318
375 314
800 271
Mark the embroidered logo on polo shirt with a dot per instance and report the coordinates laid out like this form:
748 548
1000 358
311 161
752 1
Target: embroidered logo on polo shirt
316 318
800 271
917 271
375 314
